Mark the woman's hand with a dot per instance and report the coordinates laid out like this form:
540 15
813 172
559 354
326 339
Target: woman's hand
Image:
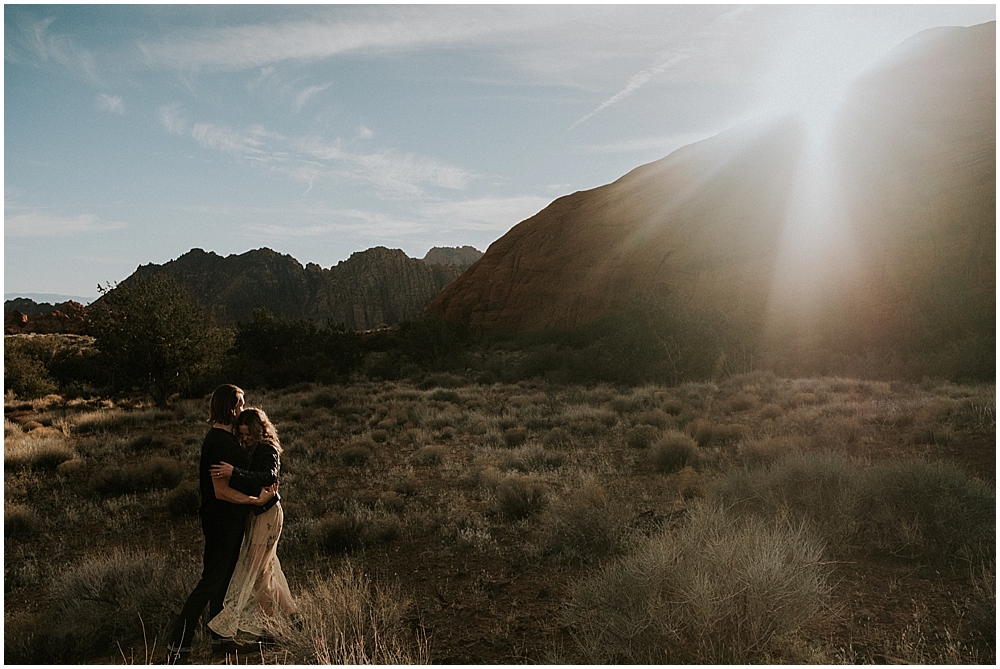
223 470
266 494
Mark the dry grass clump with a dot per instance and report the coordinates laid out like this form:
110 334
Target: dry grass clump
720 590
19 522
155 473
41 449
641 436
674 451
931 509
764 451
582 526
514 436
910 507
118 598
357 453
116 419
429 455
707 433
357 526
184 500
557 437
532 458
518 497
740 401
345 619
655 417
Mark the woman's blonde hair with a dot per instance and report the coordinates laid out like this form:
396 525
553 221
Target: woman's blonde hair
260 426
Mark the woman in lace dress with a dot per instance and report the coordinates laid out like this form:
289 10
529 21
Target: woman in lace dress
258 592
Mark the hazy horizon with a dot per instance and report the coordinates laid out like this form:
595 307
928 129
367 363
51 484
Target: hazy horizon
136 133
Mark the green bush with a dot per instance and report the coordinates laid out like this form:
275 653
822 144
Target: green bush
23 373
718 591
674 451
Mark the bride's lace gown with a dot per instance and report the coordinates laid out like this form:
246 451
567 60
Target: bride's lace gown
258 591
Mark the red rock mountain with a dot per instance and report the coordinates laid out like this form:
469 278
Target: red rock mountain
907 241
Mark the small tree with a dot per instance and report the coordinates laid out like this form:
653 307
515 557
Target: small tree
155 337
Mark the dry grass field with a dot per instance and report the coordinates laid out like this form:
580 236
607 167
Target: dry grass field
754 520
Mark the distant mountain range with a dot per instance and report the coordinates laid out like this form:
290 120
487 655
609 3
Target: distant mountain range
370 289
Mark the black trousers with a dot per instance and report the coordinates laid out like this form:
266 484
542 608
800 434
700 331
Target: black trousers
223 538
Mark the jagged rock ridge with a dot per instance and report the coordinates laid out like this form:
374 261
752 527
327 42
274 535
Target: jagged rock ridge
372 288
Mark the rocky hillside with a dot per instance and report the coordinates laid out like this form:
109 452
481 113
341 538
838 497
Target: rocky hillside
376 287
896 236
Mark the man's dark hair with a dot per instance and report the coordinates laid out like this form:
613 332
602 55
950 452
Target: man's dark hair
223 404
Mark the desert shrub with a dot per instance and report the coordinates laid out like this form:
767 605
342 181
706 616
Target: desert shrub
582 527
815 488
148 442
690 483
673 452
157 472
557 437
356 454
518 497
19 522
445 395
656 417
429 455
515 436
103 603
719 590
707 433
769 411
532 458
23 373
672 406
184 500
740 402
932 509
174 347
337 533
345 619
379 436
113 420
641 436
764 451
407 487
43 451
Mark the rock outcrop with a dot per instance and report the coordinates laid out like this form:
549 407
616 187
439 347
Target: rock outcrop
66 318
462 257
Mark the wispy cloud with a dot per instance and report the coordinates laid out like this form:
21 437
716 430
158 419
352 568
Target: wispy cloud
706 41
312 159
110 103
43 224
302 98
173 120
664 144
37 38
262 44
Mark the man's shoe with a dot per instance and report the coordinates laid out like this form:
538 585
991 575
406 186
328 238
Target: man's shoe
178 655
224 646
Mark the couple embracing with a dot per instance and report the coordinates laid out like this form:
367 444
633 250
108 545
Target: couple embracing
241 518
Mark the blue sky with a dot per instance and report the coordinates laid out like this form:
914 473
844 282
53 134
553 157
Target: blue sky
133 133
